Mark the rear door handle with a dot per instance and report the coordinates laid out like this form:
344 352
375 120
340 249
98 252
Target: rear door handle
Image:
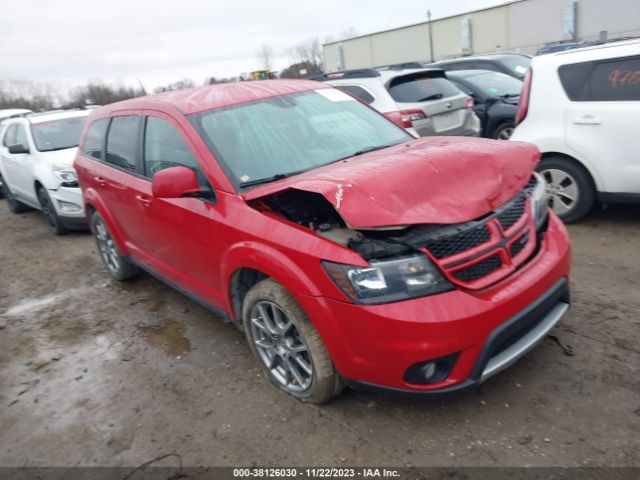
100 181
587 120
144 200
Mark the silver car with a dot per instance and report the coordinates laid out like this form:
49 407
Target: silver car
423 101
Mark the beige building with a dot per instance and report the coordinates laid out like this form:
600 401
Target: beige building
517 26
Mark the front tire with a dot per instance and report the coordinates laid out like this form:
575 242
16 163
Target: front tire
287 345
569 186
49 213
118 267
504 131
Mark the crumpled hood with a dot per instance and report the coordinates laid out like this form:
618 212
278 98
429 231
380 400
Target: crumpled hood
428 180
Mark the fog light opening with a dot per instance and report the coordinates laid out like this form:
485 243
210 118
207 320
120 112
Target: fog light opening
431 371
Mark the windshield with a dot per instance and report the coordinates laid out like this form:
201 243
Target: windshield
290 134
57 134
494 83
518 64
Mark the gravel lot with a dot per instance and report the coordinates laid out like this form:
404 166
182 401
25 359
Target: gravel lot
93 372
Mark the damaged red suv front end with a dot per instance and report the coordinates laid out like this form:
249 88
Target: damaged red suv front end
496 261
348 252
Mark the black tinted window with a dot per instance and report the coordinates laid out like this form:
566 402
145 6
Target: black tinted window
164 148
122 141
611 80
421 87
94 138
10 135
358 92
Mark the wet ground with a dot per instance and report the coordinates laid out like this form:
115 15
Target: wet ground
94 372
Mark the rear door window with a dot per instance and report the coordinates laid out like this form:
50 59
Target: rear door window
602 81
122 142
358 92
421 87
94 139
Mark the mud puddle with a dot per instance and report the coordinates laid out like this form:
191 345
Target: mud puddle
169 336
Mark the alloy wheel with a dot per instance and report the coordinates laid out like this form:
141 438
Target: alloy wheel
280 347
562 190
107 247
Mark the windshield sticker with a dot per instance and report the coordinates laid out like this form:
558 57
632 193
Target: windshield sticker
520 69
335 95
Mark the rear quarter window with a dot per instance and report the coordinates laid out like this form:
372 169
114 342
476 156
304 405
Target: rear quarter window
94 139
358 92
421 87
602 81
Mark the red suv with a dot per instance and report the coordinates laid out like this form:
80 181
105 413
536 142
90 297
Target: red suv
348 252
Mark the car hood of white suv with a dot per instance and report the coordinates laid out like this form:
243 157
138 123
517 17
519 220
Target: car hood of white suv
60 157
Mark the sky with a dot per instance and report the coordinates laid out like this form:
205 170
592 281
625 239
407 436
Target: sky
70 42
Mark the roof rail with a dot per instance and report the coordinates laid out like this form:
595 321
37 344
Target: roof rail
401 66
356 73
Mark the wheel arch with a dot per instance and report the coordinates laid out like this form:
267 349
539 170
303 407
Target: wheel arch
248 263
93 204
575 161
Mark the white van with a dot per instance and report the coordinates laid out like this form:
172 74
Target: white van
582 110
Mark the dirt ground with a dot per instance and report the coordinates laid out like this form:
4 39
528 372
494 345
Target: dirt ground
94 372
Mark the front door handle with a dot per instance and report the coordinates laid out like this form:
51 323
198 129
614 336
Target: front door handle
144 200
587 120
100 181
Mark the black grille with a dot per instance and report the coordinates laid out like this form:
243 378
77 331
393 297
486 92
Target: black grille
478 270
512 213
518 245
458 242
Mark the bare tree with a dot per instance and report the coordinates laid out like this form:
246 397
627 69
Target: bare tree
179 85
265 56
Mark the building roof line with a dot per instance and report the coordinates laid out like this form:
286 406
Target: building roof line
509 2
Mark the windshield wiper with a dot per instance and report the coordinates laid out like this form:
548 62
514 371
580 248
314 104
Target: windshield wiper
364 150
510 95
273 178
435 96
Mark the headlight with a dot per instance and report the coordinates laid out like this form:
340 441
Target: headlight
66 174
540 200
389 280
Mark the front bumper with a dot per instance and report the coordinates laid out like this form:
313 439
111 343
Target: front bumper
374 345
69 207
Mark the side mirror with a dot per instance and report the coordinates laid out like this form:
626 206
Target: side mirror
18 148
175 182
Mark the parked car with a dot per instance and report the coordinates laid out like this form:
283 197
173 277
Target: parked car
36 156
348 251
558 47
495 96
423 101
512 64
4 114
582 109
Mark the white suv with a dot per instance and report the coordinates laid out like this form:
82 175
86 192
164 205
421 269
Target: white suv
581 108
36 156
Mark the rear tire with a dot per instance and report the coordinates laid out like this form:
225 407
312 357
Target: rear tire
118 267
49 213
570 187
15 206
287 346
